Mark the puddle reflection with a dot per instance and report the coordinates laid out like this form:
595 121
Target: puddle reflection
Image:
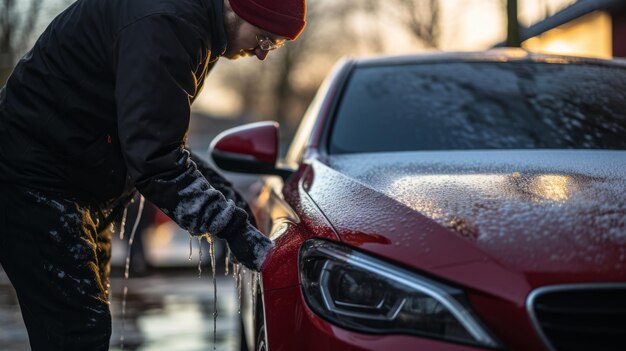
172 312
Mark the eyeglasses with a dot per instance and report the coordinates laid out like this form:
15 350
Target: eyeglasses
267 44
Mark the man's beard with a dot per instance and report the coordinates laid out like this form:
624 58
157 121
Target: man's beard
232 23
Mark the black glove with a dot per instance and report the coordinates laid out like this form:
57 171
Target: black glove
250 248
248 245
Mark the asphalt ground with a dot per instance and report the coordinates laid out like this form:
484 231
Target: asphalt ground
165 310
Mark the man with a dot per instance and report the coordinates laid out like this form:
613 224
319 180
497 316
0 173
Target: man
99 107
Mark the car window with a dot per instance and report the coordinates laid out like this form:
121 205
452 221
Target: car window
462 106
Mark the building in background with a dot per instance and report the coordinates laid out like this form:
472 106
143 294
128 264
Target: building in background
594 28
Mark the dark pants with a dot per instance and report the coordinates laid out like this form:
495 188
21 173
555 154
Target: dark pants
56 252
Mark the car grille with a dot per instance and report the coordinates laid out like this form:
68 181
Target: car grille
581 317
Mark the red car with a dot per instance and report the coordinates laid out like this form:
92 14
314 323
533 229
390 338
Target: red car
471 201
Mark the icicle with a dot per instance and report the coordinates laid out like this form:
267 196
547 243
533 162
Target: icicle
209 239
199 257
123 320
190 248
127 268
132 235
227 263
253 297
123 223
212 253
236 277
239 285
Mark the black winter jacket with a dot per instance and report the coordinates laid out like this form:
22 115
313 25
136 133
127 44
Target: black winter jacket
102 103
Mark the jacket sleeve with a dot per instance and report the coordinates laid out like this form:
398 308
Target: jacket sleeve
223 185
155 65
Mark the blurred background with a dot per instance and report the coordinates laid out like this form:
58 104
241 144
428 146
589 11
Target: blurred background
281 87
168 306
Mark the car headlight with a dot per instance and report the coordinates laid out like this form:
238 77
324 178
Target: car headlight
362 293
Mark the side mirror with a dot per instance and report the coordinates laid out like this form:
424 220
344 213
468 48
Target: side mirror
251 148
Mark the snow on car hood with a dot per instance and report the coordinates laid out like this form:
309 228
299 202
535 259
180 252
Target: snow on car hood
555 207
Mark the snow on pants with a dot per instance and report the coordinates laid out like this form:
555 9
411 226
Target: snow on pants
56 252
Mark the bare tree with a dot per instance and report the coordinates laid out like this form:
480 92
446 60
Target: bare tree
422 18
330 35
287 98
268 89
16 32
513 29
283 89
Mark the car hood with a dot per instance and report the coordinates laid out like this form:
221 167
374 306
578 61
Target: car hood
528 211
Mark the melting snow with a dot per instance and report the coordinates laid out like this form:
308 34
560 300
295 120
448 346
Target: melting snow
197 201
566 202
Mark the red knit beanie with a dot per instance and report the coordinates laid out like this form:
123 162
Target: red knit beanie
285 18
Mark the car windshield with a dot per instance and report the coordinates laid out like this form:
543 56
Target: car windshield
465 106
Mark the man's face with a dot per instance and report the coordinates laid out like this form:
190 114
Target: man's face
244 39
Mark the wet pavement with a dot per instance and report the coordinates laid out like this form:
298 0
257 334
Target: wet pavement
170 310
